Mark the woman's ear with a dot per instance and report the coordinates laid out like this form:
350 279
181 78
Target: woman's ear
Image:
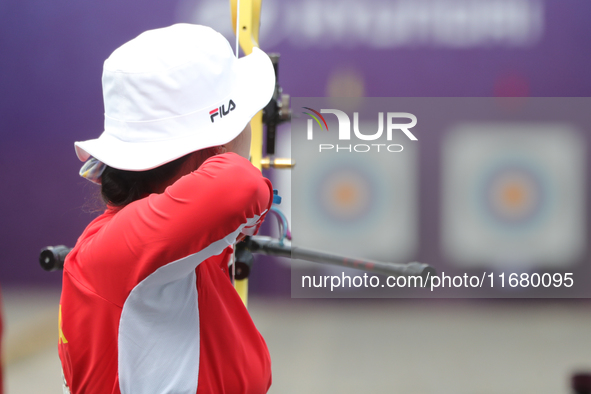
220 149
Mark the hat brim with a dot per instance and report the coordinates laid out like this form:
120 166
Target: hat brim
255 84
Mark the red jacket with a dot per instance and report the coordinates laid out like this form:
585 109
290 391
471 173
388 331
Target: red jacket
147 305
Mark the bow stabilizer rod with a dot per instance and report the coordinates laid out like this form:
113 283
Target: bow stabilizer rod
52 258
274 247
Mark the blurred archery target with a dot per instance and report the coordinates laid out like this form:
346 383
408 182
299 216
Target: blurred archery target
346 194
513 195
352 203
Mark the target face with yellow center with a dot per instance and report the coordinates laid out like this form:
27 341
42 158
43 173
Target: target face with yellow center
513 195
346 195
354 204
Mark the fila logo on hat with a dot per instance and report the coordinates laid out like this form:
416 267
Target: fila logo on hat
221 111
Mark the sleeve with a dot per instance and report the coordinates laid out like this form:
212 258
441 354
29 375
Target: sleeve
210 206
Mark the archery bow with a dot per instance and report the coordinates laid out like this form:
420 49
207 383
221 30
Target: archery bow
246 21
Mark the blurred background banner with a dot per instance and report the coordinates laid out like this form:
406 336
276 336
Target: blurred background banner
507 192
389 24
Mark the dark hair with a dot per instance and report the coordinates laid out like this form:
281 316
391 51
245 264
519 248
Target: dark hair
121 187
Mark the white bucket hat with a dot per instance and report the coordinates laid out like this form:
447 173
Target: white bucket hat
173 91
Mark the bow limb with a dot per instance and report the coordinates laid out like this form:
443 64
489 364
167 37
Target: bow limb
246 17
